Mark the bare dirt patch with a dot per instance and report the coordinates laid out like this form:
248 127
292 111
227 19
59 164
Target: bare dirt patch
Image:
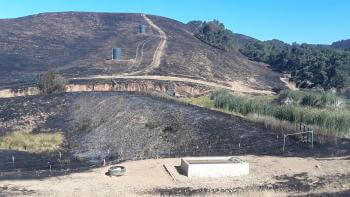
290 85
236 86
269 175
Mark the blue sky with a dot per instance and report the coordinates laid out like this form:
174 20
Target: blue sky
311 21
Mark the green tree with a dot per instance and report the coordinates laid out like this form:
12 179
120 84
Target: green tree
309 65
213 33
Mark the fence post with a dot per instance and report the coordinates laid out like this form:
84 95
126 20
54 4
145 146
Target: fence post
13 162
49 163
284 141
312 139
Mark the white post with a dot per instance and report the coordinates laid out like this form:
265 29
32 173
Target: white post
13 161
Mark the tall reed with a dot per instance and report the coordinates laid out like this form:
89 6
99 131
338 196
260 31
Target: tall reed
335 121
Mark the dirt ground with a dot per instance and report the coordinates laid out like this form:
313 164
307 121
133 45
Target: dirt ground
236 86
269 176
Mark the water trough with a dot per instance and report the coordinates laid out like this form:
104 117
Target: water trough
212 167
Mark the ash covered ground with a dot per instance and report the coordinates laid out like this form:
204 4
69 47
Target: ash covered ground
119 126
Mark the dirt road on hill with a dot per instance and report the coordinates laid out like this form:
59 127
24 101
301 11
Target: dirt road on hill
160 49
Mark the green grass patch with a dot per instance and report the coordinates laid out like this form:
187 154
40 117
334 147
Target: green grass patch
203 101
29 142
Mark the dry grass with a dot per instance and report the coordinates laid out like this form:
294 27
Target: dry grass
272 123
29 142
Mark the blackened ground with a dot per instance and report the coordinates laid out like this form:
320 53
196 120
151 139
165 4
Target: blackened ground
117 126
79 44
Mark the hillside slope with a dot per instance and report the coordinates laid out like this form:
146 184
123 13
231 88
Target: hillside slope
80 44
136 127
124 126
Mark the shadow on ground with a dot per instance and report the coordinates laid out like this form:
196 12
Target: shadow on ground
328 194
23 165
297 183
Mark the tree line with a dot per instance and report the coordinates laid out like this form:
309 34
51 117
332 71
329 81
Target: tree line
213 33
309 66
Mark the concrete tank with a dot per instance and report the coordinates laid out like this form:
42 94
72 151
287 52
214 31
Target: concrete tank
142 29
116 53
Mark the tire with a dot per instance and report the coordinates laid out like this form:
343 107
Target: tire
116 171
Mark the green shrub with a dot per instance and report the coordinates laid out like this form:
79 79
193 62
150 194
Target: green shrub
51 82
